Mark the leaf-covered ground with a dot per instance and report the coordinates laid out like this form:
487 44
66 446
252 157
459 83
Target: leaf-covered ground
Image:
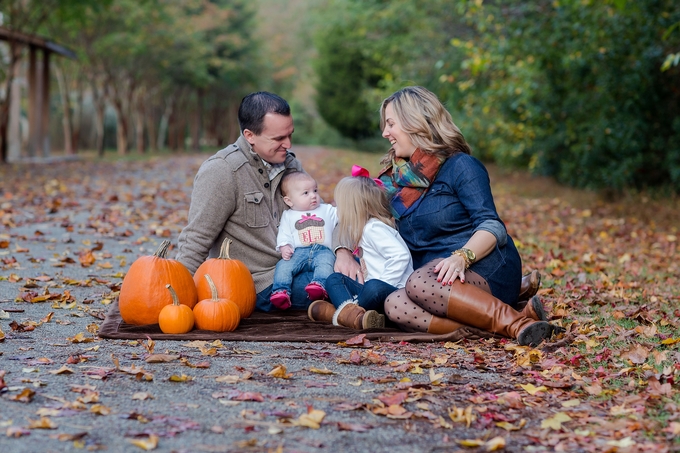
69 231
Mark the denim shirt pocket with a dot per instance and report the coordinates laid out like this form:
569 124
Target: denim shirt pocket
256 211
436 199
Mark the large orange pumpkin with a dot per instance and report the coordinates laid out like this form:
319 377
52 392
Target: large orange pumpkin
232 279
175 318
143 294
218 314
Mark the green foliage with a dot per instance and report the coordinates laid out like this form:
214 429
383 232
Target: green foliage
581 90
343 76
366 48
573 90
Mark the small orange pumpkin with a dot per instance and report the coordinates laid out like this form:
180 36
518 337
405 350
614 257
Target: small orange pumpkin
175 318
232 279
143 293
219 315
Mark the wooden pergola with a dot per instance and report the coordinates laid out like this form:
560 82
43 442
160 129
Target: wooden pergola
38 86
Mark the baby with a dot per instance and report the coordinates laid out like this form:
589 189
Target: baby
304 239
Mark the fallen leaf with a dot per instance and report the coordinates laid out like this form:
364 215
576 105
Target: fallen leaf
142 396
312 419
532 390
161 358
41 423
279 371
637 354
356 427
63 370
150 443
321 371
26 396
182 378
555 422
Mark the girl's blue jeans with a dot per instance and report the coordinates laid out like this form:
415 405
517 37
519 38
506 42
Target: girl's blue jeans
371 295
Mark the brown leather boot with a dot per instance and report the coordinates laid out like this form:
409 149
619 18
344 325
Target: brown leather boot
440 325
475 307
534 310
529 286
321 311
351 315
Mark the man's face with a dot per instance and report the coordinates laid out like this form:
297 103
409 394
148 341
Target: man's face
303 194
275 140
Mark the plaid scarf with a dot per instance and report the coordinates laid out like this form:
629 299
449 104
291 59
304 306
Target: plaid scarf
406 181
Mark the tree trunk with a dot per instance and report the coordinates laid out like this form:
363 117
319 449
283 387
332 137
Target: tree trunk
139 121
66 109
100 106
196 123
77 116
150 119
121 129
165 120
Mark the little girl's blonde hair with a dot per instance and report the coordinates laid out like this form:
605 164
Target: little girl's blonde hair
358 200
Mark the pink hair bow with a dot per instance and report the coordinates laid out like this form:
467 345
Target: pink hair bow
361 171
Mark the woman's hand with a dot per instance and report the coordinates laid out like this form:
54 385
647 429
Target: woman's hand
347 265
449 269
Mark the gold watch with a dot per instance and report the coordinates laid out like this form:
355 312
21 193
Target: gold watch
467 254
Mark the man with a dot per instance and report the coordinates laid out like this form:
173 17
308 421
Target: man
235 195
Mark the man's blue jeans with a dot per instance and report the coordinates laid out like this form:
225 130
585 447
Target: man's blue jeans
308 264
371 295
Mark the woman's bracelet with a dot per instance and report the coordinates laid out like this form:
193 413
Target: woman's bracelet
467 254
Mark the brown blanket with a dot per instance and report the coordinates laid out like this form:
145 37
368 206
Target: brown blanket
293 325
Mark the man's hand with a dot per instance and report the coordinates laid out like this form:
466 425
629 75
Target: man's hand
347 265
286 252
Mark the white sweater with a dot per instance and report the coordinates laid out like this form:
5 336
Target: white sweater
384 254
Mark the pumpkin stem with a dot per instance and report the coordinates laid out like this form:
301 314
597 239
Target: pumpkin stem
162 249
224 249
213 288
175 299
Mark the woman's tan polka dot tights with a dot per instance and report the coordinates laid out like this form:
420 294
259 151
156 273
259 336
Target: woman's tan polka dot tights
414 306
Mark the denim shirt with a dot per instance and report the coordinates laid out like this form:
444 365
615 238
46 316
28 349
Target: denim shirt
459 203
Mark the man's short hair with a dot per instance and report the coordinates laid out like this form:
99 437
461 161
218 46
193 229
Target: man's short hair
255 106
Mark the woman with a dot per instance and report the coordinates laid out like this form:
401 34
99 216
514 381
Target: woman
468 269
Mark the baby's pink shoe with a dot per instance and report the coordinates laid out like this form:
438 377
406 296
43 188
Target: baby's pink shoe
280 299
316 291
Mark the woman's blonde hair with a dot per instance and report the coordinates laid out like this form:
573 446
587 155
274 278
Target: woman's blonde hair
358 200
429 125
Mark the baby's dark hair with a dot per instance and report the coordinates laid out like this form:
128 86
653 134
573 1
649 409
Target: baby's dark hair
289 176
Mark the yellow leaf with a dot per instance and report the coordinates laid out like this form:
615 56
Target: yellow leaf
100 409
417 370
623 443
311 419
142 396
451 345
556 421
510 427
571 403
670 341
43 423
228 379
320 371
150 443
497 443
471 442
62 370
435 377
182 378
532 390
279 371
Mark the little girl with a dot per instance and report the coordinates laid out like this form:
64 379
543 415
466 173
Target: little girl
365 222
